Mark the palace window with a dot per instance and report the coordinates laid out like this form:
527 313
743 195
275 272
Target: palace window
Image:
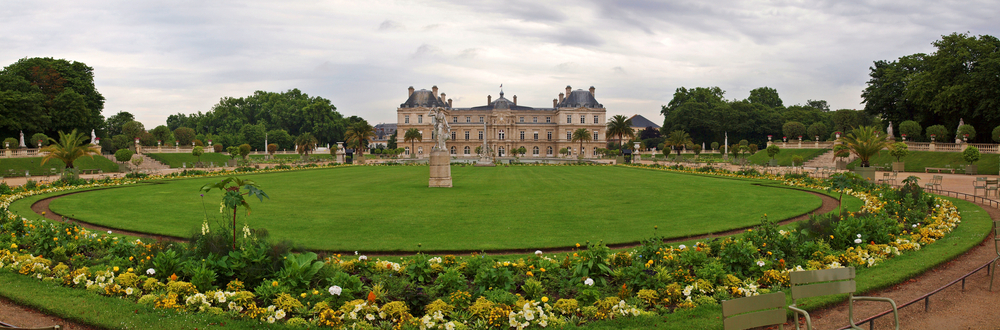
407 152
583 119
453 150
454 119
522 119
453 136
548 151
500 151
534 119
536 136
480 119
548 119
467 135
550 135
501 135
522 135
468 119
595 152
569 136
534 151
569 119
420 119
467 150
595 136
406 119
480 135
595 120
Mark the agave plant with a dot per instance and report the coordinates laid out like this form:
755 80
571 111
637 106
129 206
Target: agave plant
865 142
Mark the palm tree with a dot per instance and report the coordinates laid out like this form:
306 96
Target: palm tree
678 139
619 126
581 134
865 142
69 148
411 135
305 142
359 135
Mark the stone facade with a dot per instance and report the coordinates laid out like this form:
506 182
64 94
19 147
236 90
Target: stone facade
505 125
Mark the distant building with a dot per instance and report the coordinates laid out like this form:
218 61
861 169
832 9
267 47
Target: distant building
640 123
505 125
382 134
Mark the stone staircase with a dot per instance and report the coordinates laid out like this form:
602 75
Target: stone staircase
825 160
149 164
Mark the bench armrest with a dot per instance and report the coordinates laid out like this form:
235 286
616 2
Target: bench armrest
895 312
804 314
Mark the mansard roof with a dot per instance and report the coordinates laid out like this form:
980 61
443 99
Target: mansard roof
579 98
640 121
423 98
502 103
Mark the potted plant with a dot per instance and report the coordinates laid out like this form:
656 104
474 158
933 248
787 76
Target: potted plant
841 151
773 150
971 155
865 142
898 150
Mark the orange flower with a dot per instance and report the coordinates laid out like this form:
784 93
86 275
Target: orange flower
371 297
173 277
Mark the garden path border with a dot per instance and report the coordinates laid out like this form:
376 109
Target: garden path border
828 204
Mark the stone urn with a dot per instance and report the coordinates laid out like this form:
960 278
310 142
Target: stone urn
898 166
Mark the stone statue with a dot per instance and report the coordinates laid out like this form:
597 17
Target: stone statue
442 130
889 131
22 141
93 137
958 138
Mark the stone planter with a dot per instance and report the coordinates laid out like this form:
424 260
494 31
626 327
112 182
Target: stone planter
231 162
897 166
841 165
866 172
971 169
772 162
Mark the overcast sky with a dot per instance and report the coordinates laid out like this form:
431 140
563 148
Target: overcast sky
156 58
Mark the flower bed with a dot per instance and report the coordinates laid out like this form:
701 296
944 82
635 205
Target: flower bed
263 280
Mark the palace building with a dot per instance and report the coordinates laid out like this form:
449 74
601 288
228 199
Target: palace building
506 125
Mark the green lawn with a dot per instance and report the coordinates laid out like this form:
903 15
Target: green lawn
916 161
175 160
784 157
34 164
293 157
391 208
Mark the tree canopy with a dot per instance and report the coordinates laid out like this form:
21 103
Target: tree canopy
46 95
960 80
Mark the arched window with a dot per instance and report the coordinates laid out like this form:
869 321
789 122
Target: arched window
534 151
595 152
548 151
453 149
501 135
466 150
500 151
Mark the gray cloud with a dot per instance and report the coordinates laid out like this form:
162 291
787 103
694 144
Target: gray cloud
389 25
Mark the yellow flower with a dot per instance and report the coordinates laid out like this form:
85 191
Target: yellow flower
274 283
115 268
542 270
577 244
55 238
130 269
831 236
545 299
13 246
303 295
530 274
315 292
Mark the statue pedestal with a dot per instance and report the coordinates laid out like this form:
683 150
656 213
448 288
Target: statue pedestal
440 164
485 162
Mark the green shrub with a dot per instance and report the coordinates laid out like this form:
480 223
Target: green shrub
967 129
35 138
971 154
533 289
10 143
123 155
794 129
911 129
939 131
898 150
773 150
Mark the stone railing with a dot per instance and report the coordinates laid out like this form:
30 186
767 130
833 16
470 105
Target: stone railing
21 153
804 144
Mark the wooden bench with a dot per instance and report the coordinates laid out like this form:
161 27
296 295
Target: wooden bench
90 171
939 169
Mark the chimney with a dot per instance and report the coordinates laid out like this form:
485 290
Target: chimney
515 99
592 90
411 91
434 90
554 103
443 97
561 95
568 89
489 99
449 103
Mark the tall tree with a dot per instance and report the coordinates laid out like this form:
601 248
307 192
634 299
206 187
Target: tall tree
619 126
582 135
412 135
359 136
115 124
766 96
678 140
44 95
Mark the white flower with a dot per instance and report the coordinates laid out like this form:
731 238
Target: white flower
280 314
538 253
109 232
859 235
362 258
914 225
857 241
335 290
589 282
151 271
270 319
682 246
370 317
759 263
128 292
451 326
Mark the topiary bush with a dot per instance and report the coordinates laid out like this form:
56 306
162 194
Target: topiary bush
911 129
35 138
967 129
939 131
10 143
971 154
898 150
794 129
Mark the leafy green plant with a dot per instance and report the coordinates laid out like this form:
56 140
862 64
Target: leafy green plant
898 150
796 160
773 150
123 155
865 142
967 130
232 198
593 263
299 270
971 154
166 263
197 151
